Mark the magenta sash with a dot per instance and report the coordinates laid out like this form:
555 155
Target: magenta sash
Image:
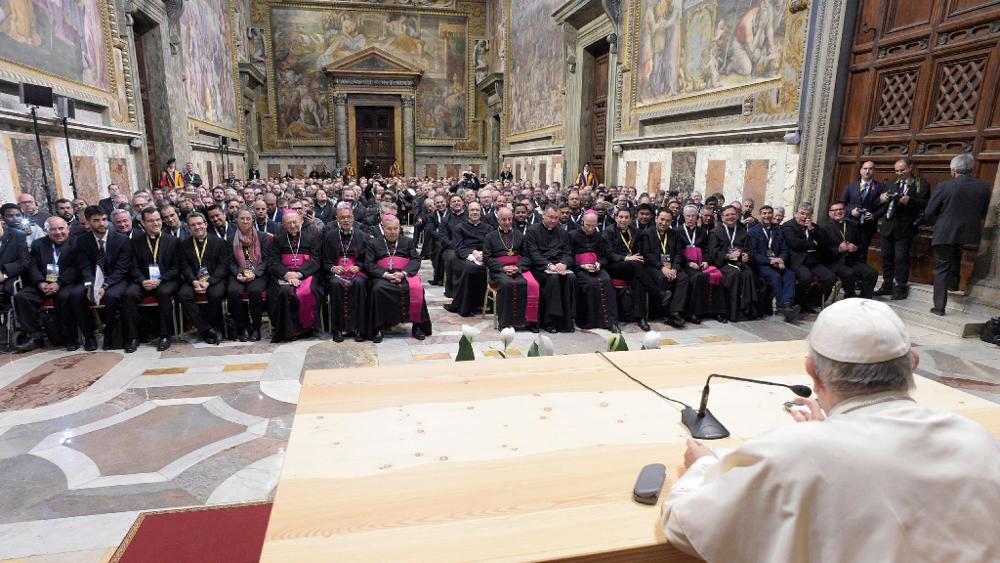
347 262
695 254
534 292
413 282
586 258
307 301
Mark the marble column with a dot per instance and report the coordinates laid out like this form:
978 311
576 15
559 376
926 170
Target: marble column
340 128
409 134
984 283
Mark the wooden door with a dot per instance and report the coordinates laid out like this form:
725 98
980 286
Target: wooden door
922 85
376 137
599 115
147 112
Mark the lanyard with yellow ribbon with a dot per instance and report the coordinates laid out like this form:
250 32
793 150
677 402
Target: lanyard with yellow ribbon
199 254
154 251
628 243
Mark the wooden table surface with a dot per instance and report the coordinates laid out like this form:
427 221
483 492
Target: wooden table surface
515 460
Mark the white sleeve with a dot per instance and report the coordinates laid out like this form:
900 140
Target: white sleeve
703 470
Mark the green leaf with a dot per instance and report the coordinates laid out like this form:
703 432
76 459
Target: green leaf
465 351
533 351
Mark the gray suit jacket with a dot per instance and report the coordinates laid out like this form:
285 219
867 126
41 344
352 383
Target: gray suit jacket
960 205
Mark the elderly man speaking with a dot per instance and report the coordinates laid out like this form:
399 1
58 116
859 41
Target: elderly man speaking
867 475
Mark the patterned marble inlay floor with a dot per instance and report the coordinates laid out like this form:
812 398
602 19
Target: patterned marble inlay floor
87 441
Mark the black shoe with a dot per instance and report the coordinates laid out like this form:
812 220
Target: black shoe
255 334
693 319
33 343
337 336
722 319
417 333
163 343
643 325
90 343
359 337
244 335
533 327
377 337
675 320
938 312
790 312
131 345
900 293
72 345
886 289
107 342
551 329
210 337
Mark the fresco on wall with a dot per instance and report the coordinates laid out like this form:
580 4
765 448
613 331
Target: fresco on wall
207 34
682 169
690 47
60 37
536 66
29 171
307 41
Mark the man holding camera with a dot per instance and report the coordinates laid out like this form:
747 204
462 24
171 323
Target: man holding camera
862 200
904 201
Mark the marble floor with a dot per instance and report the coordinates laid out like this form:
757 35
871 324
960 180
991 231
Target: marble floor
90 440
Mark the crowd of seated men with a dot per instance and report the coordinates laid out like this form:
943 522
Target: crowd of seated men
145 267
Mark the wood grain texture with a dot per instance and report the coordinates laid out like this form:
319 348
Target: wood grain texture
463 461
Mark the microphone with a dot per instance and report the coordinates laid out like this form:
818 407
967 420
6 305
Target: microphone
703 424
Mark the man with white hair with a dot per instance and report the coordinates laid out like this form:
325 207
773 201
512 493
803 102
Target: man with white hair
867 475
960 205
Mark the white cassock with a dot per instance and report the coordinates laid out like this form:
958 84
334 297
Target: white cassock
882 479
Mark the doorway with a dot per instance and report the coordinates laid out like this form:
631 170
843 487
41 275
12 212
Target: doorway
375 138
594 130
145 32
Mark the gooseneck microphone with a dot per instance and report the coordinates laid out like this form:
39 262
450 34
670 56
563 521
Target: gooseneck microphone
703 424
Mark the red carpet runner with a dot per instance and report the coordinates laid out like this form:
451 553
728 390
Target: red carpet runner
221 534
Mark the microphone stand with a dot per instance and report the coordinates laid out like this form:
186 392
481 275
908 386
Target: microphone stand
41 159
69 155
703 424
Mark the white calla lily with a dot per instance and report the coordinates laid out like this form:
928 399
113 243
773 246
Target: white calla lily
651 341
545 346
507 336
470 332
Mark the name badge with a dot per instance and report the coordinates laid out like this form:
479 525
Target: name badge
202 273
247 272
154 272
665 260
51 273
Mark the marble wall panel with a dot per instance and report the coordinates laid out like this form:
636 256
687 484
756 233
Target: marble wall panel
755 180
682 169
715 178
273 170
87 182
431 170
654 178
118 172
630 172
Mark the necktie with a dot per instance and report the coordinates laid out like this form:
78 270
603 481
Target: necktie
100 253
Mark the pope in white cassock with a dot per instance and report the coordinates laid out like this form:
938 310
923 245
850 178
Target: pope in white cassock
867 476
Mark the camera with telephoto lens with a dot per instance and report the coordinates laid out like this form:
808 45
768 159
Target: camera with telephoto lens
862 211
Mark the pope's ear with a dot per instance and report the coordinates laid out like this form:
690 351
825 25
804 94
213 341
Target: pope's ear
811 370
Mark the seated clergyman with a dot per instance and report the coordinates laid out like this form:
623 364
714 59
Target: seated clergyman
867 475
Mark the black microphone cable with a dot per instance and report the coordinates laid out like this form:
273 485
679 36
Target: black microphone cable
628 375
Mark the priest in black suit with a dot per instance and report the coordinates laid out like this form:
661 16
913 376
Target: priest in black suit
730 250
549 253
155 273
844 238
204 265
469 268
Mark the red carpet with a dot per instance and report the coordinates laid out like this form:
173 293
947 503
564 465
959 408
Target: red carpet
220 534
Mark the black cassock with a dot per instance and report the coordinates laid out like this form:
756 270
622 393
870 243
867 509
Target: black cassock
470 277
294 311
597 306
389 303
558 300
704 298
738 278
348 292
512 291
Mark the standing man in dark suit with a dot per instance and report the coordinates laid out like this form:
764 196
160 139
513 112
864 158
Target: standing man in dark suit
904 202
204 264
960 204
49 275
863 205
155 271
111 252
108 203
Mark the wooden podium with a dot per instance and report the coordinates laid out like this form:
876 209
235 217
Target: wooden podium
516 460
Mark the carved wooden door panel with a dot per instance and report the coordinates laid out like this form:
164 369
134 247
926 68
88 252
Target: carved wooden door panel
376 137
599 116
922 85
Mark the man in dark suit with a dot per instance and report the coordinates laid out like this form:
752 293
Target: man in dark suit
191 178
50 272
112 252
204 271
108 203
863 206
771 256
13 261
155 272
808 246
960 205
219 226
844 238
172 222
263 225
904 202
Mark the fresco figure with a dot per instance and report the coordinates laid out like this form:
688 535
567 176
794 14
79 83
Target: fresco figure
752 50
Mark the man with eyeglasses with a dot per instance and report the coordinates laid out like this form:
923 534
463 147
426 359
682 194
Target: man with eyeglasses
844 238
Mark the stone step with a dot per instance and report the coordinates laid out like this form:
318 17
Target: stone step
924 294
956 323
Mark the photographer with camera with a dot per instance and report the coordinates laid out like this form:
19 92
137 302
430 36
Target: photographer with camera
904 202
863 205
